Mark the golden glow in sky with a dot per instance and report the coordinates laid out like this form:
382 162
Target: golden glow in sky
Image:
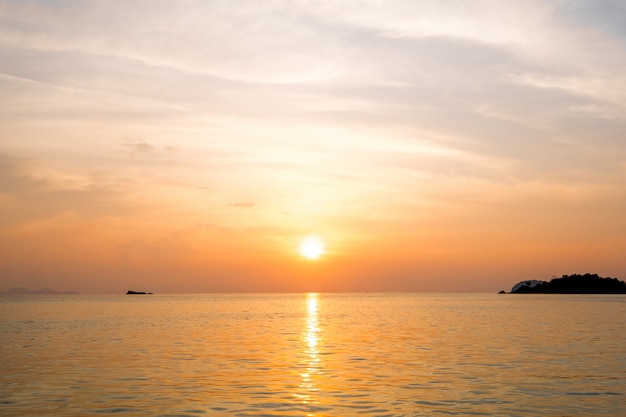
189 146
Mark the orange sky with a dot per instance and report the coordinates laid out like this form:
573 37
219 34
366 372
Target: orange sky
190 146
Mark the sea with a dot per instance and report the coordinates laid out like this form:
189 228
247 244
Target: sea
366 354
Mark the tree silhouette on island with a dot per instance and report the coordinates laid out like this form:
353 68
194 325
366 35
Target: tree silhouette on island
572 284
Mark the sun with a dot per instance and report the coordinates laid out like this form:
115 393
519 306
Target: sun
311 248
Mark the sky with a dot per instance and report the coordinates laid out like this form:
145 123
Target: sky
191 146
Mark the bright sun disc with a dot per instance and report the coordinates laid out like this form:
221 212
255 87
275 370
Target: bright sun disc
311 248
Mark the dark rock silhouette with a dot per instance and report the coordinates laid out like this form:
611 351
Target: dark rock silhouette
574 284
530 283
131 292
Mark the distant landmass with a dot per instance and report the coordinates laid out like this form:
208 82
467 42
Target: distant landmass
571 284
25 291
131 292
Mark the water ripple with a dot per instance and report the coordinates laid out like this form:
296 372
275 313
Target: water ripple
315 355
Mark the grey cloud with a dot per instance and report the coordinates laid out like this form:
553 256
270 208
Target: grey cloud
606 15
140 147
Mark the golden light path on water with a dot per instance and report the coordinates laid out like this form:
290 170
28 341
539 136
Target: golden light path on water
312 360
326 355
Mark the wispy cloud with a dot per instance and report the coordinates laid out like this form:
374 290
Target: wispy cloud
243 205
367 119
140 147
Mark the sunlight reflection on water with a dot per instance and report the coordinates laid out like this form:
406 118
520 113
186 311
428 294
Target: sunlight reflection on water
311 338
279 355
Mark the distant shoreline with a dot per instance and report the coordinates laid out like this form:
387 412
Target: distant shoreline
42 291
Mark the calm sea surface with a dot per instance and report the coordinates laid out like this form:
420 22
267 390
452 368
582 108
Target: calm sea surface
313 355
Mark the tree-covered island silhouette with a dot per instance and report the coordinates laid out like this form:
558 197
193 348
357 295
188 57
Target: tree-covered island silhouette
571 284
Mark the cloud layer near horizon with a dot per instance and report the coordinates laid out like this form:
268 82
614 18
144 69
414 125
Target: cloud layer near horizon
435 145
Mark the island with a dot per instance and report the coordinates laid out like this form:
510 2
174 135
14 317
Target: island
572 284
131 292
